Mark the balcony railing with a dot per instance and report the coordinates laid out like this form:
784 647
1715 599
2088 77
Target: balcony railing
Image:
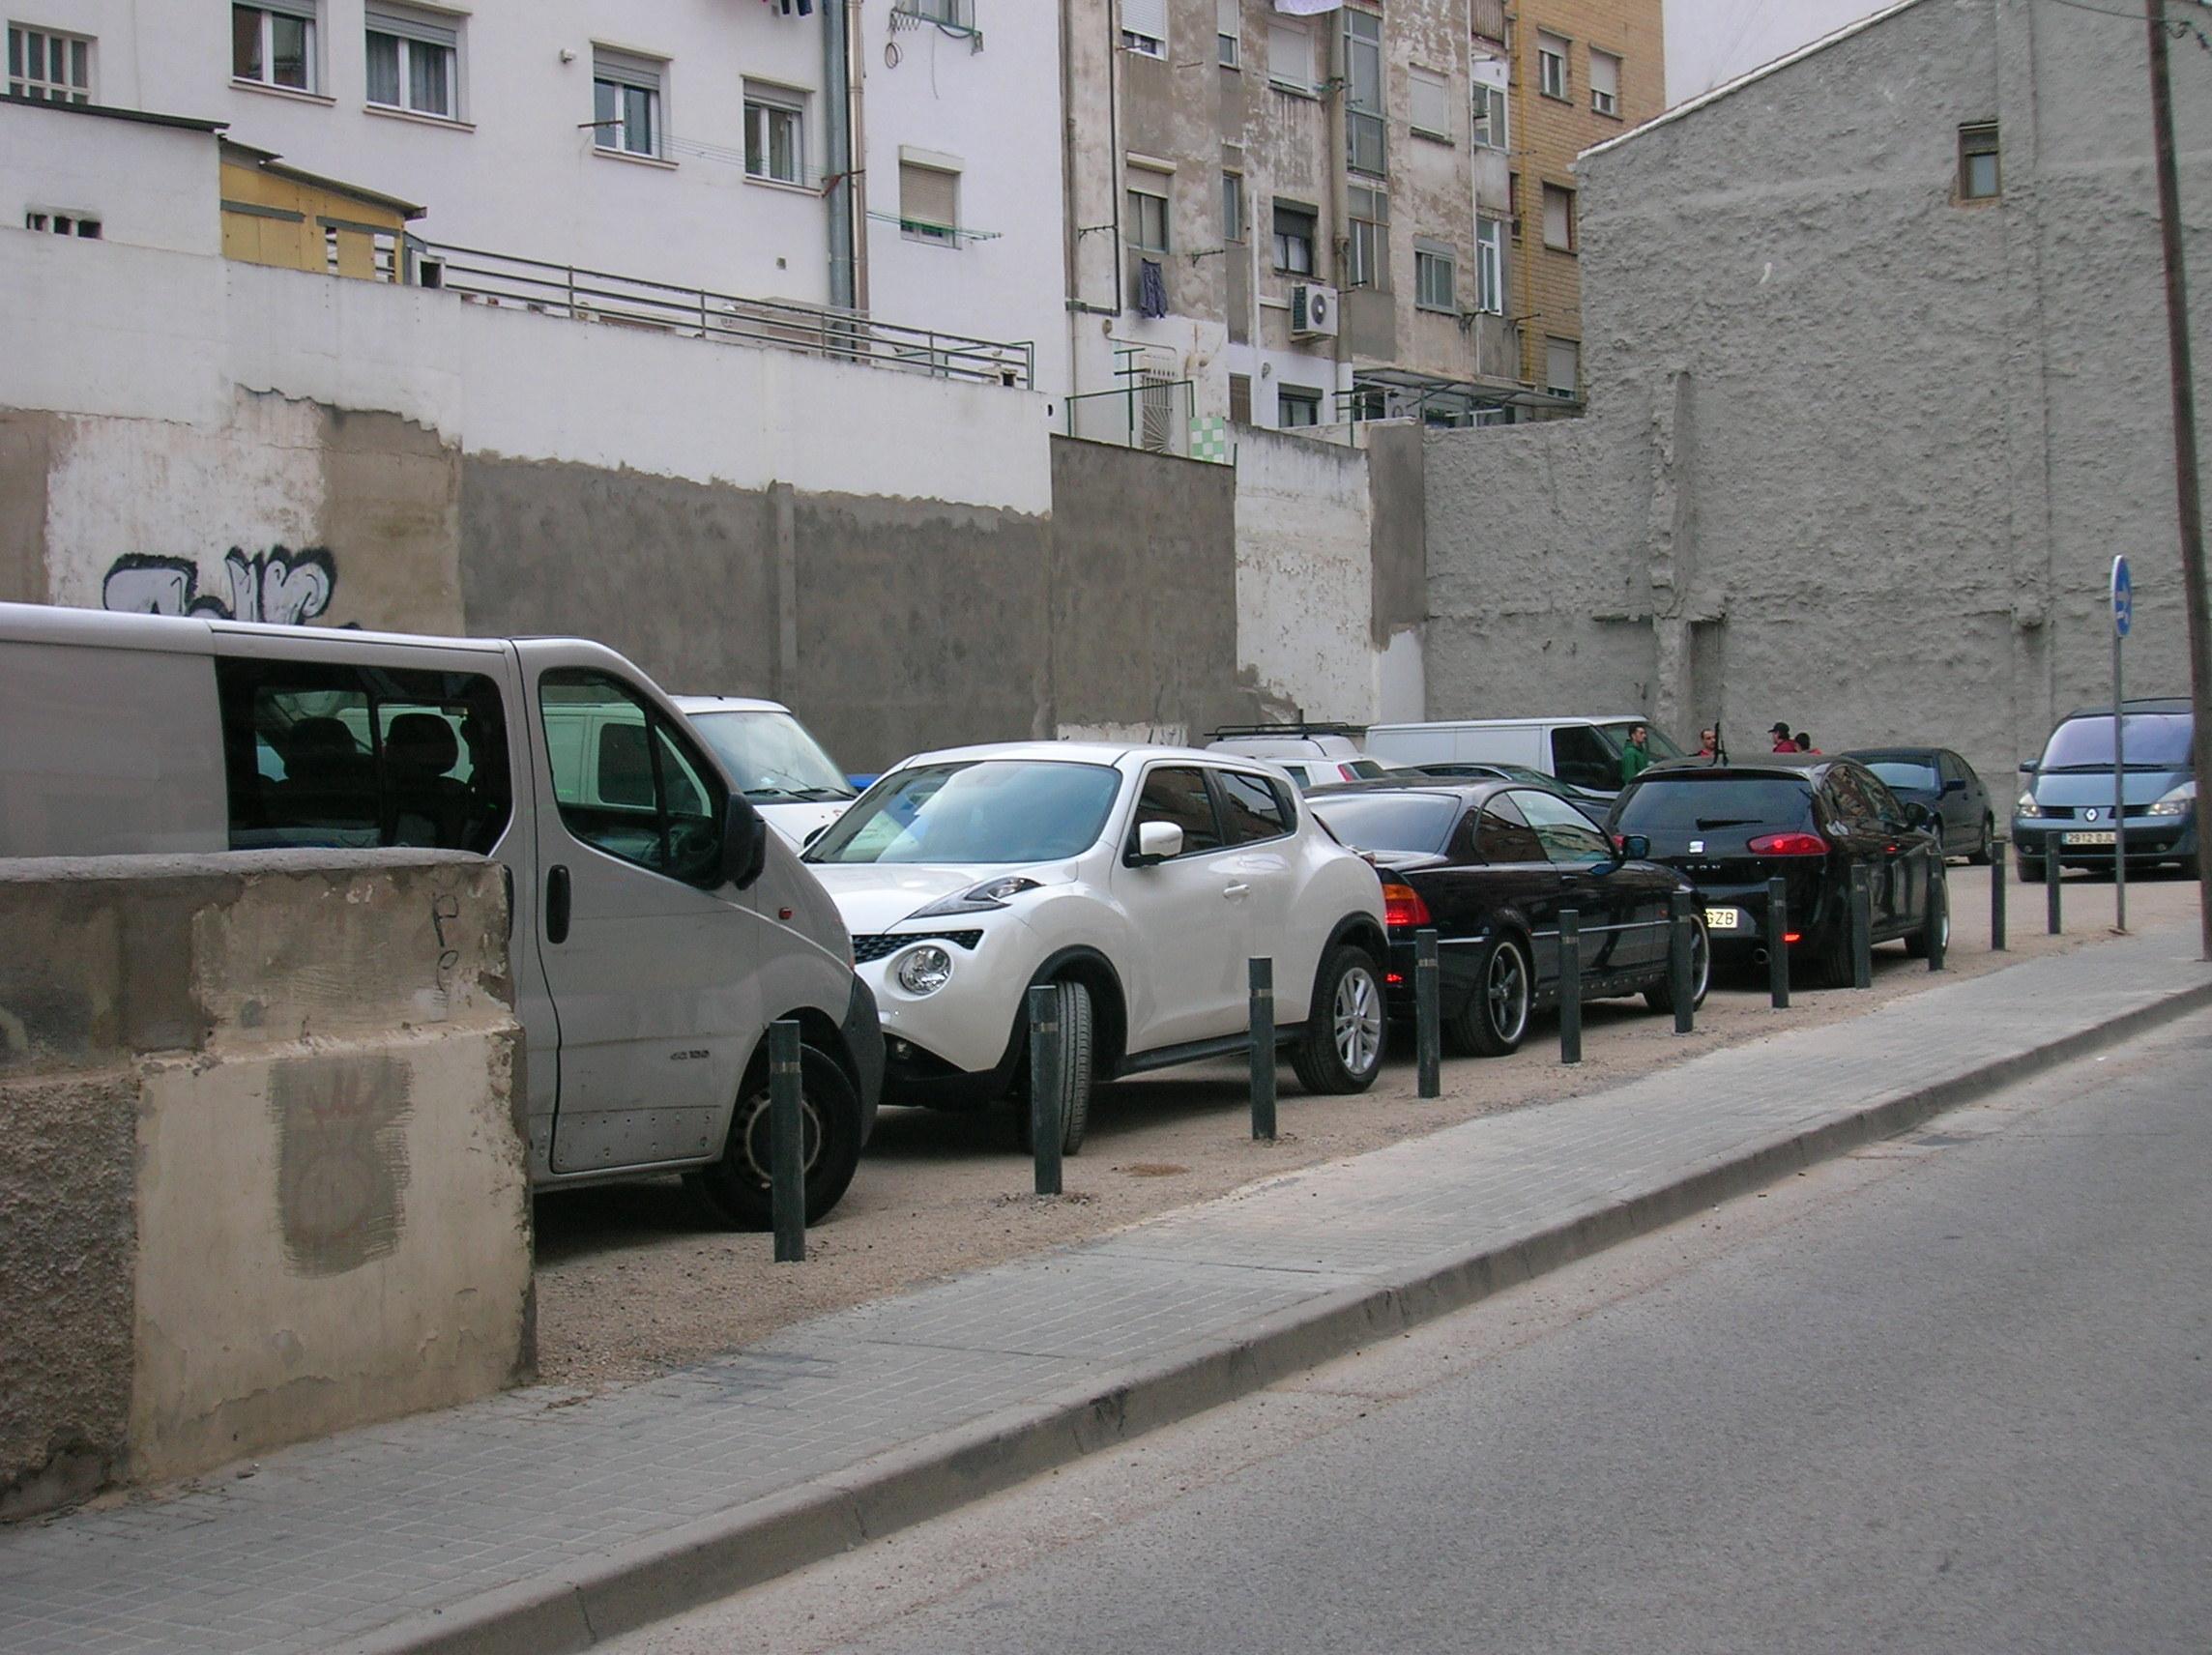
724 318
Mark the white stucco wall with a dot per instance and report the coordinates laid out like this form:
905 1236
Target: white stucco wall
147 185
1304 578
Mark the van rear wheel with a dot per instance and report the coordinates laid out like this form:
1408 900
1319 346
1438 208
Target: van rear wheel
737 1186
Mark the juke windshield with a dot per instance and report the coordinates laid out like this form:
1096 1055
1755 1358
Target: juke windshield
991 810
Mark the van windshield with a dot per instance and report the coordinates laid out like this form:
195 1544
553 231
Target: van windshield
2155 740
771 756
993 810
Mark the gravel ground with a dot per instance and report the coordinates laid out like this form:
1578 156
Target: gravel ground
634 1279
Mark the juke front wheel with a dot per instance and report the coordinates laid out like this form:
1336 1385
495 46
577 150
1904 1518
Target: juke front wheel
1075 1075
1340 1047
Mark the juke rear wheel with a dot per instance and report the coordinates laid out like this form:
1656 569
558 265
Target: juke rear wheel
1340 1047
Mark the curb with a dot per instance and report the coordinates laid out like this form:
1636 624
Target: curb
621 1590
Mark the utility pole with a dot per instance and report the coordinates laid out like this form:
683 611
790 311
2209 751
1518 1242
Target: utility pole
2184 480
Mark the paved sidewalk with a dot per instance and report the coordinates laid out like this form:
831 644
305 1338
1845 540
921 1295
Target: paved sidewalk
543 1521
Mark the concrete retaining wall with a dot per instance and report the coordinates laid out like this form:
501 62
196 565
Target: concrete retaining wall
261 1176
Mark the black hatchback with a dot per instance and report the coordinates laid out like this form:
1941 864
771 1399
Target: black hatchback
1490 866
1808 822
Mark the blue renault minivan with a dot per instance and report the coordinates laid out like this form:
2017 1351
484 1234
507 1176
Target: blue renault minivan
2066 812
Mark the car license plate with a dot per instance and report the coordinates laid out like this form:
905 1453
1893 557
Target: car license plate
2088 839
1723 919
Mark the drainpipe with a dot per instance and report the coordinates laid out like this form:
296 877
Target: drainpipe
841 118
1339 194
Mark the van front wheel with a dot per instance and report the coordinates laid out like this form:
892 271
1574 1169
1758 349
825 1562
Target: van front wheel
737 1186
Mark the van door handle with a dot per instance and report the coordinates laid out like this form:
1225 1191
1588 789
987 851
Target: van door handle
506 880
557 905
1235 893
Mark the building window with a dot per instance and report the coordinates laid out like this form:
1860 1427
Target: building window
1289 57
956 14
1491 132
1297 406
44 64
1365 139
1434 268
929 204
1368 246
1551 66
1145 28
1294 239
273 43
1605 84
1228 33
1241 398
1147 226
63 223
1979 176
626 104
414 64
1559 218
1232 205
1562 368
1431 103
775 136
1489 267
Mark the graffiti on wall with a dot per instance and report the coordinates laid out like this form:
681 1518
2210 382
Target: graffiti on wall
278 585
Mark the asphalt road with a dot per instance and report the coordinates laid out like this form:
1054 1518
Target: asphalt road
1950 1393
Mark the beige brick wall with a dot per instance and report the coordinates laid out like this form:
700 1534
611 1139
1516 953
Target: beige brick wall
1548 133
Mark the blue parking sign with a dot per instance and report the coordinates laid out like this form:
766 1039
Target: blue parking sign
2123 597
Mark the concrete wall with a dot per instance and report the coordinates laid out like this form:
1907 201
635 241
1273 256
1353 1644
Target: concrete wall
259 1155
1859 453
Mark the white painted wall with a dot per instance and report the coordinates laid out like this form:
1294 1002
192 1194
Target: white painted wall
995 113
149 186
1712 40
1304 580
520 174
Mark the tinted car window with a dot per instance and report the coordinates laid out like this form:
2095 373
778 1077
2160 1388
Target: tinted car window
1698 802
1389 821
1565 833
1653 738
1506 835
1580 755
1252 807
1905 772
2152 738
1853 797
1179 795
634 788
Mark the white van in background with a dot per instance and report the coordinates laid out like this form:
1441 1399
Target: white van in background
773 760
1581 751
1312 755
658 925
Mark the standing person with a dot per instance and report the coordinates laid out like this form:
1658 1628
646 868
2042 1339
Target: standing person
1710 746
1784 742
1804 743
1636 757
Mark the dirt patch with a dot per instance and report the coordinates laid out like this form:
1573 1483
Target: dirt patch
634 1279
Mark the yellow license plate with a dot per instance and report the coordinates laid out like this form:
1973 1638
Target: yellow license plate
1723 919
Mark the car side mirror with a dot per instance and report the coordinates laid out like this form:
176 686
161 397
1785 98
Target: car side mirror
744 843
1957 784
814 833
1156 842
1917 815
1635 847
2027 766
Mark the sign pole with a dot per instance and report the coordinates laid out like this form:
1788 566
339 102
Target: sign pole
2123 617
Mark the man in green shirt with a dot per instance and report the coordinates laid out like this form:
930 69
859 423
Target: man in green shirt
1635 756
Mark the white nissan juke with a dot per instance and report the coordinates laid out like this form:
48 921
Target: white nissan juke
1137 881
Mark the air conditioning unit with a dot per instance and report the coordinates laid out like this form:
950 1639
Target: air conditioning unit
1313 312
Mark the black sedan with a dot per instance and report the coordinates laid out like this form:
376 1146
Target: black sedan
1806 821
1491 866
1946 784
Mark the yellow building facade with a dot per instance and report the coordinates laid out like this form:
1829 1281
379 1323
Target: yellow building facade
277 215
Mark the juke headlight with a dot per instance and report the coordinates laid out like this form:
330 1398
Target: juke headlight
2177 802
925 970
2028 805
979 898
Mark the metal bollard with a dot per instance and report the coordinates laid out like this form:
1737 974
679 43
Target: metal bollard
1045 1129
786 1150
1997 861
1263 1025
1938 915
2052 917
1570 986
1428 1014
1862 929
1778 949
1678 933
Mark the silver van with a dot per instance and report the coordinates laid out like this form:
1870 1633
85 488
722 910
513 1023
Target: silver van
1583 752
658 925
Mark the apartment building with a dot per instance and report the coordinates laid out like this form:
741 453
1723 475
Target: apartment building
713 145
1579 73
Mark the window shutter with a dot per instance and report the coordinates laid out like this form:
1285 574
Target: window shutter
1290 55
1432 102
411 28
1229 17
1605 75
929 196
1146 18
1559 217
1563 362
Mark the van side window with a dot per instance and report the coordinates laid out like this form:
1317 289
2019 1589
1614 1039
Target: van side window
1581 758
627 782
319 753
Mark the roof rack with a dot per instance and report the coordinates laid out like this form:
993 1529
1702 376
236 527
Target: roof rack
1302 728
